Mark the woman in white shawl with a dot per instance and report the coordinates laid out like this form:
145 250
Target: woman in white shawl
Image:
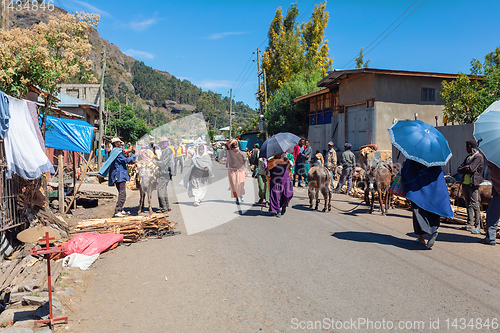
196 180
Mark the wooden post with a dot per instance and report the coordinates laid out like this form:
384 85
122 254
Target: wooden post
74 179
60 166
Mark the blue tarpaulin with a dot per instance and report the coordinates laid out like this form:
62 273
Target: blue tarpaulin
69 134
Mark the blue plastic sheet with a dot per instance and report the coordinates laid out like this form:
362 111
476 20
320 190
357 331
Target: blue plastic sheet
68 134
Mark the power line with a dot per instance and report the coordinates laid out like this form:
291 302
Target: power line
244 80
353 59
395 27
244 68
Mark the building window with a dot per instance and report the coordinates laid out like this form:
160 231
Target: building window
313 119
320 118
328 117
427 94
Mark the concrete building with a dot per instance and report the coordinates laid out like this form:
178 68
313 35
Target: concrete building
86 92
359 105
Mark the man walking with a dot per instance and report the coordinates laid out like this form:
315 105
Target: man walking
472 169
254 159
307 159
178 158
348 161
116 169
493 212
165 166
299 164
331 162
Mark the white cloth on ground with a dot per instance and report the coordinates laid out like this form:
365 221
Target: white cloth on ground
24 155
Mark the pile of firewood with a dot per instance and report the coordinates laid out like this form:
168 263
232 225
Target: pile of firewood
132 227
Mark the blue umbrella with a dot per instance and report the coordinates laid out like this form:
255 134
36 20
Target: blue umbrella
420 142
278 144
487 132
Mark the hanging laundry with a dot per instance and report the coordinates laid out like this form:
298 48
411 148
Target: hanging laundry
33 109
4 114
24 155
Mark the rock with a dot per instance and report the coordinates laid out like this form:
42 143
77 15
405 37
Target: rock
55 204
43 311
15 315
17 330
46 330
29 323
68 292
35 300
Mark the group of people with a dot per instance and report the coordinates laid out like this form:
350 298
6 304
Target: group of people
166 157
425 187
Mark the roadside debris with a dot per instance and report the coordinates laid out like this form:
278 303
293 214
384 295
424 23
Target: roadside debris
133 228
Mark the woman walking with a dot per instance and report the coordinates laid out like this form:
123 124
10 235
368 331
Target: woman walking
426 189
237 166
281 185
196 180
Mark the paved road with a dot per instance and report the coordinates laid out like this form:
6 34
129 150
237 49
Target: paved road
352 270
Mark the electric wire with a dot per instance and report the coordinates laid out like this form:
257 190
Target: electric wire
348 64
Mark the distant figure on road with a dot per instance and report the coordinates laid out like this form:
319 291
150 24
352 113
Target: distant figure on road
331 162
307 154
165 166
196 179
348 162
254 159
179 158
299 162
426 188
281 185
263 182
237 166
472 169
493 212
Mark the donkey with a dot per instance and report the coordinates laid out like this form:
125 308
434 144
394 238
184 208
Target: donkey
146 182
319 179
379 179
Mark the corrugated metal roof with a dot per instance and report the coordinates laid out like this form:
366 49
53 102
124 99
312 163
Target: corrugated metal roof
66 100
337 75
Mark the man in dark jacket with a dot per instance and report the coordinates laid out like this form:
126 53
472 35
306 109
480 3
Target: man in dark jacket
254 159
118 174
165 166
472 171
348 162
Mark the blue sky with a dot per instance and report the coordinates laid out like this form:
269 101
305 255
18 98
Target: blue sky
210 43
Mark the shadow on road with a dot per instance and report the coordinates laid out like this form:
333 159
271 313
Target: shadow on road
452 238
302 207
370 237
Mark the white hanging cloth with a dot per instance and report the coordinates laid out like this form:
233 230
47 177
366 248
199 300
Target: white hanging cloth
23 153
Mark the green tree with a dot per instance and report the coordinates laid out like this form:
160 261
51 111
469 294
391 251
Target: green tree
360 63
283 114
294 48
467 97
317 50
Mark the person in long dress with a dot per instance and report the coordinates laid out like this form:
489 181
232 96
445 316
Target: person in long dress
263 182
280 183
426 188
197 178
237 166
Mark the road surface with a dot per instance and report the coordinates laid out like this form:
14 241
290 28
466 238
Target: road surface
342 271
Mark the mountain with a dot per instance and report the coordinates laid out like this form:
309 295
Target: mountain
150 90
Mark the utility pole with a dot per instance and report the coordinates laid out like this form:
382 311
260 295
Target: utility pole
230 110
259 92
101 109
5 15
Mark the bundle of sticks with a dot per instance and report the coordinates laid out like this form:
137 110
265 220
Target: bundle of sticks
133 228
